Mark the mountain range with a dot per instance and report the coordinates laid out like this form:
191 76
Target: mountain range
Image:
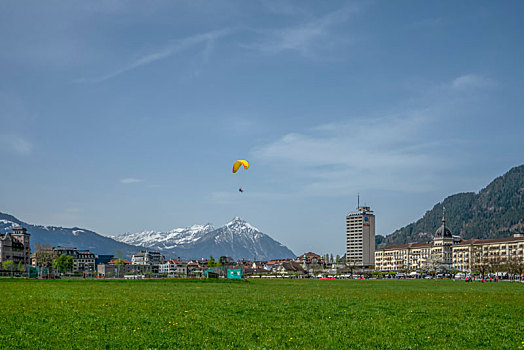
496 211
68 237
237 239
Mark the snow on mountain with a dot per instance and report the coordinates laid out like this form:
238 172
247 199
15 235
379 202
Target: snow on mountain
6 225
165 240
68 237
237 239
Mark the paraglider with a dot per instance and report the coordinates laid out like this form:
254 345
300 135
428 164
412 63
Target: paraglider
236 165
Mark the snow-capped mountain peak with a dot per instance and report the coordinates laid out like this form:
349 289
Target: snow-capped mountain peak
238 239
166 240
240 225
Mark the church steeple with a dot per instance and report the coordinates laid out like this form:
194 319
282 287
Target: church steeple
443 231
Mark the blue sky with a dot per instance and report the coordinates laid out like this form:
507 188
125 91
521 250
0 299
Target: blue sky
120 116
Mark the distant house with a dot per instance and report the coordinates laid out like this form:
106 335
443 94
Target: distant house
83 260
253 267
103 259
174 267
273 265
309 258
291 267
119 268
15 246
148 258
195 268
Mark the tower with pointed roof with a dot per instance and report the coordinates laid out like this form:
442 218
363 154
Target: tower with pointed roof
442 244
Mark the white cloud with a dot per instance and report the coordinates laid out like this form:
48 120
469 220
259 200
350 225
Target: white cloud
308 38
408 151
471 81
171 49
342 157
16 144
130 180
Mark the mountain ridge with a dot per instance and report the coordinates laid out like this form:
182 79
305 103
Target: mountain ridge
496 211
237 239
69 237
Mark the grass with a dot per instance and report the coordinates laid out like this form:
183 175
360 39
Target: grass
261 314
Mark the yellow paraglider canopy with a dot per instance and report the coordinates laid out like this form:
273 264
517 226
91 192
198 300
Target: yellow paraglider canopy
238 163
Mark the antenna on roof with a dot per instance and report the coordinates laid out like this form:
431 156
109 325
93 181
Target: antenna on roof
358 200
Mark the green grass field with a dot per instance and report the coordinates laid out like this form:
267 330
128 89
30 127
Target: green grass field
268 314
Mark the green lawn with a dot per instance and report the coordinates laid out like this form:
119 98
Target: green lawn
268 314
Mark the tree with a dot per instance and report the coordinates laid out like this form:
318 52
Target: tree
494 264
21 267
211 262
63 263
352 264
119 254
8 265
338 258
514 266
479 260
331 258
44 255
433 263
120 262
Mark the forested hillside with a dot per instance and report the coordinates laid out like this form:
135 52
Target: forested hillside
496 211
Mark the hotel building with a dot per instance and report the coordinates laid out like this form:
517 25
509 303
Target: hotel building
448 252
360 237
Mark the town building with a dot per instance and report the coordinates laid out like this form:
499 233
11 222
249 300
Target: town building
441 249
448 252
476 254
119 268
174 267
83 260
148 258
291 268
360 237
272 265
15 246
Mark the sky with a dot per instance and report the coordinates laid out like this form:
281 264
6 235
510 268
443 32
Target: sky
122 116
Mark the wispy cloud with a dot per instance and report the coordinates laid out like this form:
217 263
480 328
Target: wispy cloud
305 38
16 144
343 157
405 151
130 180
169 50
471 81
284 8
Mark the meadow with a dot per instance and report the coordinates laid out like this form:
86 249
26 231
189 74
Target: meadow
260 314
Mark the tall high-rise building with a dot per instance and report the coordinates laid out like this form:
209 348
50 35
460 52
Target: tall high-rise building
360 237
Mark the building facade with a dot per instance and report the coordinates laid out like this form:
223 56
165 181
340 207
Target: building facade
360 237
83 260
148 258
174 267
448 252
476 254
16 246
121 269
